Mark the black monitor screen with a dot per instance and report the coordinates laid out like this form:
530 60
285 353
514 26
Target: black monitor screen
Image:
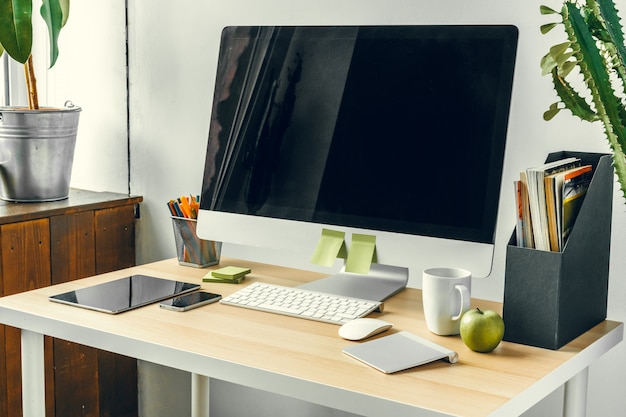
393 128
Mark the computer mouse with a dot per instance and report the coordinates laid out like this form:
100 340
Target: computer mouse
363 328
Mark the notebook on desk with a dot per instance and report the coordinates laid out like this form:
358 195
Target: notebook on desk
399 351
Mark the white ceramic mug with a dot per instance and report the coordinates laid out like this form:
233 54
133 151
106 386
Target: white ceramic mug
446 296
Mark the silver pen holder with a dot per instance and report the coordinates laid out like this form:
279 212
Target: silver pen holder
191 250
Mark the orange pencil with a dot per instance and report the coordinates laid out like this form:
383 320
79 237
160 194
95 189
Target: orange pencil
184 206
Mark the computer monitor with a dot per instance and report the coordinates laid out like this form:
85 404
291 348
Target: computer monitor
393 131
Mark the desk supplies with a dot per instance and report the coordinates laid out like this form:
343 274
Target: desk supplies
190 249
184 206
399 351
362 253
332 245
548 200
535 207
227 274
552 297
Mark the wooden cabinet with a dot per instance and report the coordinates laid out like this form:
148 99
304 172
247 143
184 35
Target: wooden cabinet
42 244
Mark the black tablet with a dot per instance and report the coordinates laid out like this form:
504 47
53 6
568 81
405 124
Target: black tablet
125 293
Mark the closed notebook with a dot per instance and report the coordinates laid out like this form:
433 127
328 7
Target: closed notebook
399 351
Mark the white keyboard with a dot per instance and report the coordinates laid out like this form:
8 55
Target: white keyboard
301 303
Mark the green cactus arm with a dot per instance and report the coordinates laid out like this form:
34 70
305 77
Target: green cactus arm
590 61
614 55
606 8
604 23
595 70
571 99
596 46
614 43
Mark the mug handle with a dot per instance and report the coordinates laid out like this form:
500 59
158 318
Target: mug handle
465 300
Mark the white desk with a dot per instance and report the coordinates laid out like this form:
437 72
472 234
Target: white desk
300 358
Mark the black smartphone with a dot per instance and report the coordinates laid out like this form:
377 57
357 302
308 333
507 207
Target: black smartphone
189 301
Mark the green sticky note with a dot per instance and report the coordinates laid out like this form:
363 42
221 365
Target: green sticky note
362 253
230 272
223 280
330 246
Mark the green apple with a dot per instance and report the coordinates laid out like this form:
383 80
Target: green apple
481 331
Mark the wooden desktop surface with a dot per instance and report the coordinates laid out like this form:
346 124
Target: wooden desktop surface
292 356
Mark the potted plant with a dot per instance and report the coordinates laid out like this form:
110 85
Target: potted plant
595 47
36 143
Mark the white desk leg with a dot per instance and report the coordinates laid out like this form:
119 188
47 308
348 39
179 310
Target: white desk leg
33 380
200 394
575 397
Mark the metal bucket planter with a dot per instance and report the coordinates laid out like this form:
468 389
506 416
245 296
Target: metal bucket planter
36 153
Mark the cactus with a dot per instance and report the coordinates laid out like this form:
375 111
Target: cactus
595 45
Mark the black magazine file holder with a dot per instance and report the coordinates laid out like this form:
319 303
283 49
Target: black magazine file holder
550 298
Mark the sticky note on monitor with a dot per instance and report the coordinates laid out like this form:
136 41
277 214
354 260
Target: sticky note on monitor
362 253
331 245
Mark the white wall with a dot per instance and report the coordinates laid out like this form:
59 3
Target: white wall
172 53
91 72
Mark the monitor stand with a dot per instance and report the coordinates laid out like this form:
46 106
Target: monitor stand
380 283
